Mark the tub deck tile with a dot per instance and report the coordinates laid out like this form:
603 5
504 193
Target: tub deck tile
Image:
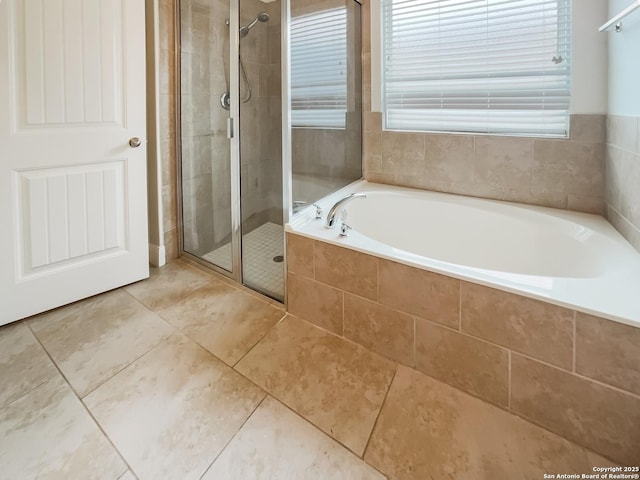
467 363
532 327
590 414
419 292
346 269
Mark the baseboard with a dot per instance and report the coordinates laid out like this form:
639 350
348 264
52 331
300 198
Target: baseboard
157 256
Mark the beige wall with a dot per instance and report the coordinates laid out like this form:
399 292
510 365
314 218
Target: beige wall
622 200
623 176
167 125
560 173
261 117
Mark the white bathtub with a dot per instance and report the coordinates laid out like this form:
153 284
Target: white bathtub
570 259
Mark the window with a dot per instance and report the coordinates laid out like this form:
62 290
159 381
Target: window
319 69
484 66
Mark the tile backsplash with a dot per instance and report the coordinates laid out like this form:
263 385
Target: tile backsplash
622 192
559 173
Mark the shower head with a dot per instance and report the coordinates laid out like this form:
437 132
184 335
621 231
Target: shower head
262 17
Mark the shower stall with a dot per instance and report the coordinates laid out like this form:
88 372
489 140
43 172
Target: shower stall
238 184
230 139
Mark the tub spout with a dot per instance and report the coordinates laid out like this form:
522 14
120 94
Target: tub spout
339 206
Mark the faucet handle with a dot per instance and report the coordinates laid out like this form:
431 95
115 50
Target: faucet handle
318 211
344 229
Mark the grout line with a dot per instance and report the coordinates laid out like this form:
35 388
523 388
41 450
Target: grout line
313 259
540 425
235 434
468 335
459 305
575 314
384 401
317 428
85 407
285 314
580 376
2 407
415 341
378 280
342 295
126 366
509 382
283 402
128 471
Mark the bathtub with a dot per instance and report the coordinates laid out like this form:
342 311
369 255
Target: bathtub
565 258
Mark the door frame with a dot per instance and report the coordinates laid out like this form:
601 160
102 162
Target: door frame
157 247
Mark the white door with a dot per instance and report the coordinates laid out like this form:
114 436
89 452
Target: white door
73 210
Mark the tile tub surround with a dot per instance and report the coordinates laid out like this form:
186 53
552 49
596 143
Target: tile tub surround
559 173
472 336
622 192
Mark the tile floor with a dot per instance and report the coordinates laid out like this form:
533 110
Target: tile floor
185 376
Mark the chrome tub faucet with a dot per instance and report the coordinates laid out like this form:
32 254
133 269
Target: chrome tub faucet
300 204
338 208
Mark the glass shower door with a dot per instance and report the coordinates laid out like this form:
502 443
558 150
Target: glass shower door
261 147
230 132
205 147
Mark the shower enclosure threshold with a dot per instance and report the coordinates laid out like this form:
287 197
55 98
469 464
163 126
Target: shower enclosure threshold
261 249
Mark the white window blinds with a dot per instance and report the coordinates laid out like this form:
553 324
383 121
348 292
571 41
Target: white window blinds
319 69
489 66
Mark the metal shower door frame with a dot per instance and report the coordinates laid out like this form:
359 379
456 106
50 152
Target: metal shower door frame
234 143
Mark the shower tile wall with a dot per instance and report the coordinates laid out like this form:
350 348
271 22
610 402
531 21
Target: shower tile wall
261 118
330 157
560 173
623 176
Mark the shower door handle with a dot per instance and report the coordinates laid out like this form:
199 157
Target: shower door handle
229 128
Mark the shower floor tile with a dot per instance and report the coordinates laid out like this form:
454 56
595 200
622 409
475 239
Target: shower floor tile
259 248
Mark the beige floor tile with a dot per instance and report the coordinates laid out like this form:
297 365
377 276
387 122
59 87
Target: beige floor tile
23 363
58 314
94 343
335 384
128 476
428 430
48 434
172 411
168 285
275 443
224 320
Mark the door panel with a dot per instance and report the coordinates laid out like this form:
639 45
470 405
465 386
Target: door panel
68 212
68 63
72 190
